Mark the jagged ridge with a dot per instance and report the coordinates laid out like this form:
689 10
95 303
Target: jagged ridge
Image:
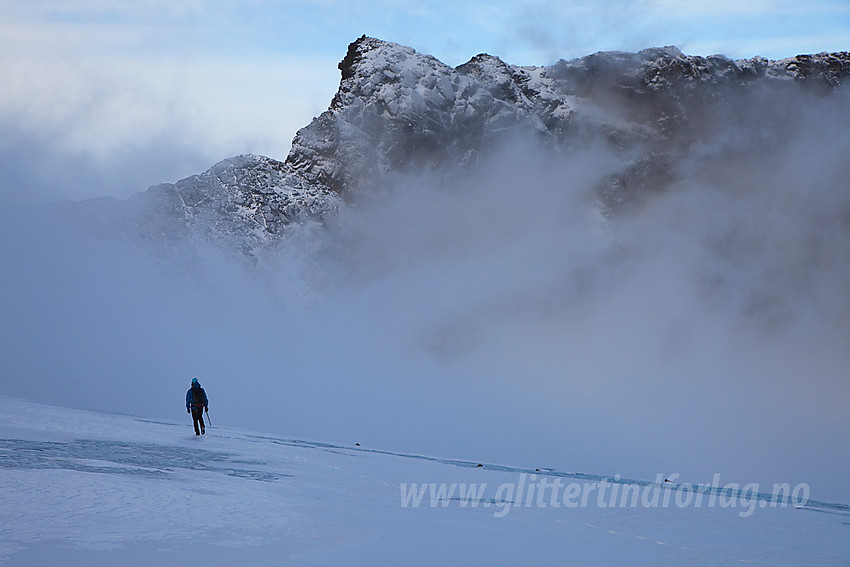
399 111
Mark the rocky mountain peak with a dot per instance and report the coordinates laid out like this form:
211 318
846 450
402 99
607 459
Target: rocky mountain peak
398 111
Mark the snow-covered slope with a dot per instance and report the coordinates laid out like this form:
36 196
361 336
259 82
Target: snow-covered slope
83 488
247 198
242 203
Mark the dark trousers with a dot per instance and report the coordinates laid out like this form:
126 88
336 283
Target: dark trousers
198 417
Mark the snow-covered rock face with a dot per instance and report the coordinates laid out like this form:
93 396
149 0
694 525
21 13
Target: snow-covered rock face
401 112
246 200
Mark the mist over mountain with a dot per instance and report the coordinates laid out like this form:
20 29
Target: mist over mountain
628 262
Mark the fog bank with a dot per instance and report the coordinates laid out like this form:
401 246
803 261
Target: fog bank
499 315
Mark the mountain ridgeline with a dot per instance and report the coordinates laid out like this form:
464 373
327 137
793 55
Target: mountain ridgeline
399 112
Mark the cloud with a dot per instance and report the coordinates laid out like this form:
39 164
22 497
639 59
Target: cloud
757 8
551 30
67 102
494 316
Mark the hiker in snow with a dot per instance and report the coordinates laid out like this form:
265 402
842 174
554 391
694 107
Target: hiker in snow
196 403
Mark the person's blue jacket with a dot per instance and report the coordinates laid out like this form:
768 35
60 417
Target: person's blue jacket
196 396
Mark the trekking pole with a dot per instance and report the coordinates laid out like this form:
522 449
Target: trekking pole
209 421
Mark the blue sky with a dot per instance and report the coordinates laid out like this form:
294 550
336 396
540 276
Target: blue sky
109 97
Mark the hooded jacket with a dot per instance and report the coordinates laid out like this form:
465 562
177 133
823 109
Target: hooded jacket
196 397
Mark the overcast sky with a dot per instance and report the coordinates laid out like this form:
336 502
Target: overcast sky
104 97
